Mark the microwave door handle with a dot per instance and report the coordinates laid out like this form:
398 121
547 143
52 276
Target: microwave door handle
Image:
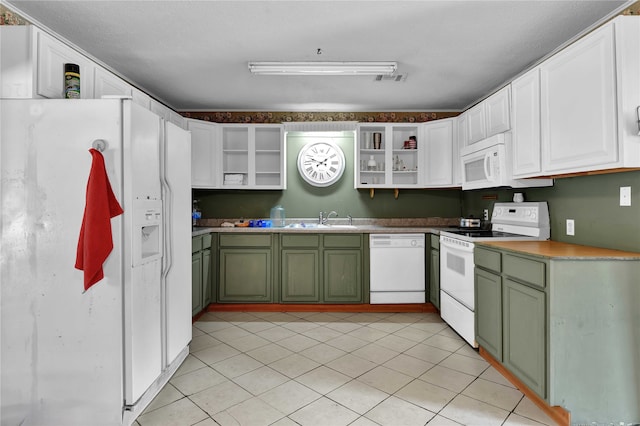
487 166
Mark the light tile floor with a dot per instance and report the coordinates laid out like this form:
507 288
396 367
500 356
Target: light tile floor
332 369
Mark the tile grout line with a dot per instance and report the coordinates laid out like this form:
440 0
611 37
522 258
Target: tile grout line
237 321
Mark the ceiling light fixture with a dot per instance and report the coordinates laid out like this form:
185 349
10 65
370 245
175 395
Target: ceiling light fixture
323 68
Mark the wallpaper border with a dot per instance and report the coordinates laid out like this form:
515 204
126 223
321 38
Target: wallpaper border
249 117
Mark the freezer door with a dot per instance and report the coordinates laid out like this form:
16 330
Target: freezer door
143 338
142 135
177 256
143 264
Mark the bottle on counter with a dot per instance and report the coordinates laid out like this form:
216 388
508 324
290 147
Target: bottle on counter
277 216
195 213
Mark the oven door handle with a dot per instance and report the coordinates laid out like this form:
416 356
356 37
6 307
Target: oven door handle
450 244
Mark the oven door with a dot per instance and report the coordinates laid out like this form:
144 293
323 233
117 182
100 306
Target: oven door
456 270
457 287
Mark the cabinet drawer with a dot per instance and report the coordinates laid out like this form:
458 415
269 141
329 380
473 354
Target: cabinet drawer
435 241
291 240
196 244
523 269
487 259
206 241
343 240
251 240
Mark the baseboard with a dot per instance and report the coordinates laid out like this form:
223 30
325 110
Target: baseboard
309 307
558 414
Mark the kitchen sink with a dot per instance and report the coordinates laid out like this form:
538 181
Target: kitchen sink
319 226
306 225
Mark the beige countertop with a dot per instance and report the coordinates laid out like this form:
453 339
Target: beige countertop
558 250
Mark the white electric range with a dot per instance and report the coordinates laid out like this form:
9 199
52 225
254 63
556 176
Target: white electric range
509 222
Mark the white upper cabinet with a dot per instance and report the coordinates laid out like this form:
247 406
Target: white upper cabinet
17 62
141 98
167 113
525 95
476 124
252 156
392 163
498 111
32 66
463 138
204 149
578 97
108 84
51 57
489 117
440 149
589 96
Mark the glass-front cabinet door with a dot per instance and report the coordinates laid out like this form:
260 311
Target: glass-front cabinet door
388 156
252 156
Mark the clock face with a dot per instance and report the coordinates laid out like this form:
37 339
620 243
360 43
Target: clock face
321 163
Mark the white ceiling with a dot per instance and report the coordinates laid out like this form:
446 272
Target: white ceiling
193 55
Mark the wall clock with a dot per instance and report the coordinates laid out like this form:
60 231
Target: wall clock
321 163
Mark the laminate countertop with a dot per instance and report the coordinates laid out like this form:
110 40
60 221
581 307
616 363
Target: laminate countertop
558 250
341 229
426 225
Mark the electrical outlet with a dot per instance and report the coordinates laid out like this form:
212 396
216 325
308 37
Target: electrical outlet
485 214
571 227
625 196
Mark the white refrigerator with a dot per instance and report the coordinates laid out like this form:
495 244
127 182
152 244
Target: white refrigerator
97 357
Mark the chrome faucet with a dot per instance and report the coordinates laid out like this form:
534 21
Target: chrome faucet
322 219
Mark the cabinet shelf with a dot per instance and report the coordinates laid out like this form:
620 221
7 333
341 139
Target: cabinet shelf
392 140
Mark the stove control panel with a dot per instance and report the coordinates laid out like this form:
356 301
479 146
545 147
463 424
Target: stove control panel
534 214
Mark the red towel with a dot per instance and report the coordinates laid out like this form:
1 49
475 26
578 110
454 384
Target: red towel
95 242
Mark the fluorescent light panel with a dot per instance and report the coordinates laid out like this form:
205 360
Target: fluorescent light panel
323 68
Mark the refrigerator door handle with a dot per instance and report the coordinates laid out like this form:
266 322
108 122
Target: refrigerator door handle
167 196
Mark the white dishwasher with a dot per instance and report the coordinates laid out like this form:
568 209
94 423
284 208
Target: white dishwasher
397 271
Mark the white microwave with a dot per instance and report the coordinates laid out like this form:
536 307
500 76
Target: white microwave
487 164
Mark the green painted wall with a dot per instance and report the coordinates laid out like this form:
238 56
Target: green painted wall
592 201
302 200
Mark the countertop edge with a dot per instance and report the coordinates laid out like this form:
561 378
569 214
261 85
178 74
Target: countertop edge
363 229
557 250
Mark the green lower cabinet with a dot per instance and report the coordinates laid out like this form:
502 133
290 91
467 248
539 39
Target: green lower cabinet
300 275
201 268
206 277
488 311
196 282
434 278
342 277
524 341
245 275
321 268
